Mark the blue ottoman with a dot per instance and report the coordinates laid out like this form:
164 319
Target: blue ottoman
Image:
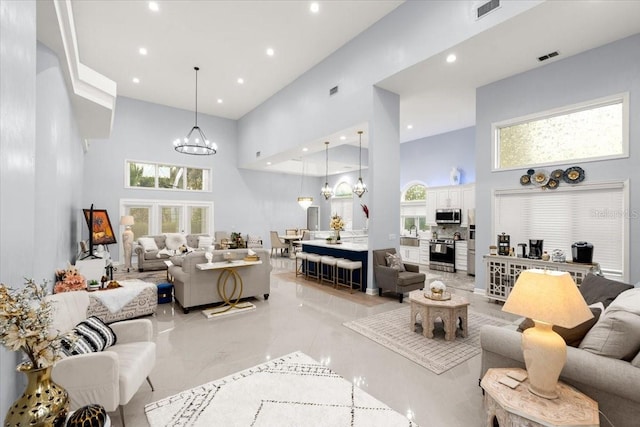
165 293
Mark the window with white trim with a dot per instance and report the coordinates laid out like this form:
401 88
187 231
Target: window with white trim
152 217
595 213
164 176
413 208
595 130
342 204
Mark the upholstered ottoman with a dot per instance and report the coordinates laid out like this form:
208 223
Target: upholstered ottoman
134 299
165 293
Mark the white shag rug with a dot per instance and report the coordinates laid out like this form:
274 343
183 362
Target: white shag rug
293 390
391 329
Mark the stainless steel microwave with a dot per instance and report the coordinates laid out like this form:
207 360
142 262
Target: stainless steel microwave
448 216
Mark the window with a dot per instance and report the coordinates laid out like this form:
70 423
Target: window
413 208
593 131
596 213
153 217
342 204
162 176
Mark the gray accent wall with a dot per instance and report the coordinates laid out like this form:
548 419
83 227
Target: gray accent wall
608 70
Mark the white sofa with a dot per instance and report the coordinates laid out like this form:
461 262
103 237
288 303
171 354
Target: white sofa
194 287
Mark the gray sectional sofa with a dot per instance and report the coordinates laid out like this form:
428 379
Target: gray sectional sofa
604 365
155 259
194 287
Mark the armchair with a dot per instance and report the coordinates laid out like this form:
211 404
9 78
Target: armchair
111 377
391 279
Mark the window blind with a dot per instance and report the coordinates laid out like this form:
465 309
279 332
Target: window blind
593 213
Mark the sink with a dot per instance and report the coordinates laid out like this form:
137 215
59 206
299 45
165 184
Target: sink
409 241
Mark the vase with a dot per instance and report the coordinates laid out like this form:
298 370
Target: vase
43 403
337 234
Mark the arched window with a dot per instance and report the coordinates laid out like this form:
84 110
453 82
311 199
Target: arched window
413 209
342 204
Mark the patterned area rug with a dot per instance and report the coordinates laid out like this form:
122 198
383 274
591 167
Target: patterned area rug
153 276
293 390
391 329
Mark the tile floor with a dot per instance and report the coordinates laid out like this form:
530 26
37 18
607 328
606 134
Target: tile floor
193 350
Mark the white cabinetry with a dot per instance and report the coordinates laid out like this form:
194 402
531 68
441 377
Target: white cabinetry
457 196
410 254
448 197
461 255
424 251
468 202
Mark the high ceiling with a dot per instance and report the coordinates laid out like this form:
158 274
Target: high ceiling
228 40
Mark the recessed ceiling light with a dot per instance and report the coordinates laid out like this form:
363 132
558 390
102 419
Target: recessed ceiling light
451 58
270 52
136 80
219 101
154 6
268 163
314 7
342 137
409 126
240 80
142 50
305 149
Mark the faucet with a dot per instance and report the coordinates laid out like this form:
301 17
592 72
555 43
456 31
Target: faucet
413 227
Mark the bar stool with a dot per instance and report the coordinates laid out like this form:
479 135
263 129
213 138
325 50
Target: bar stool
301 270
330 263
313 259
348 265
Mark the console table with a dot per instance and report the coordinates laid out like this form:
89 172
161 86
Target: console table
231 301
503 271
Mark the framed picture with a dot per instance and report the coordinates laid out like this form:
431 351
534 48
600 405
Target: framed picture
100 227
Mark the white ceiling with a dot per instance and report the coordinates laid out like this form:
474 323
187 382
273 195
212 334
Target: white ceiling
228 40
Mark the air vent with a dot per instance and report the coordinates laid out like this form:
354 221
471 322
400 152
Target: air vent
487 7
257 154
333 90
548 55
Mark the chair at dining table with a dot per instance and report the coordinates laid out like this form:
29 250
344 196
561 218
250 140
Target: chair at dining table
297 244
276 243
291 232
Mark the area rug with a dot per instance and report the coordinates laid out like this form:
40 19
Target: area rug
293 390
391 329
153 276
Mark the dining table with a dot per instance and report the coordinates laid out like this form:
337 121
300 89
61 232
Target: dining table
289 239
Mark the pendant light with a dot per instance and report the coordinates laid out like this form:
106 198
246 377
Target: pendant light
360 188
326 191
304 201
199 145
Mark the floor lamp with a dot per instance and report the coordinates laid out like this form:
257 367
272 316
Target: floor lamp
127 239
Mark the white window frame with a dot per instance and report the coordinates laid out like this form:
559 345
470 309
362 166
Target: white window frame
625 213
208 186
155 224
622 98
415 209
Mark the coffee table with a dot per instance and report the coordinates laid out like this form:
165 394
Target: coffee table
448 311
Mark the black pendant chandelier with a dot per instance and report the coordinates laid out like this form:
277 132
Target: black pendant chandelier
326 191
199 145
360 188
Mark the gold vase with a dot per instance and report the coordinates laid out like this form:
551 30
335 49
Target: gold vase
43 403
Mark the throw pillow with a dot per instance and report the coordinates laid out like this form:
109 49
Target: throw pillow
394 261
572 336
98 334
204 242
617 333
147 243
175 240
600 289
72 344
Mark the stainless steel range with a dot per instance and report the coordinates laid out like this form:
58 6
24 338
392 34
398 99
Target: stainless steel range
442 255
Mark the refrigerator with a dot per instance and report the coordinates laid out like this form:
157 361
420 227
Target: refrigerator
471 243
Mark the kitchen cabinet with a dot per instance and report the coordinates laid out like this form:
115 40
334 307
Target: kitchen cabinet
448 197
424 251
503 271
410 254
468 193
462 197
461 255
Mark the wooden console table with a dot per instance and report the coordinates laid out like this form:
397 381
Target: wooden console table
519 407
229 271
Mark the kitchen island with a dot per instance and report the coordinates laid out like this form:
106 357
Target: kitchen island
347 250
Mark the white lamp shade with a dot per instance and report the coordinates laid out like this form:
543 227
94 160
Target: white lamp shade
126 220
548 296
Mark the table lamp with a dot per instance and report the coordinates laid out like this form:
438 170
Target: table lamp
549 298
127 239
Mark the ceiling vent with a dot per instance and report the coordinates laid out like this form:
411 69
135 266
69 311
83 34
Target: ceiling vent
333 90
548 55
487 7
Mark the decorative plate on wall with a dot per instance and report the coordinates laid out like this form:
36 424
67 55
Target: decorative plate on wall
525 179
573 175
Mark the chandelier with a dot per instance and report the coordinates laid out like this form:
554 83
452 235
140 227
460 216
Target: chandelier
304 201
199 145
326 191
360 188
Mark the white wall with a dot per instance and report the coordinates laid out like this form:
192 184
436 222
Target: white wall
607 70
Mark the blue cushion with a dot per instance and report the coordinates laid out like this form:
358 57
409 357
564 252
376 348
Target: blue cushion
165 293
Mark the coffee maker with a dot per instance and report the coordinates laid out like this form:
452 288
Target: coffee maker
522 250
535 249
504 244
582 252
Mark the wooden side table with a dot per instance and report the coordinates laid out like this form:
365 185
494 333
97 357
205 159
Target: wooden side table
448 310
519 407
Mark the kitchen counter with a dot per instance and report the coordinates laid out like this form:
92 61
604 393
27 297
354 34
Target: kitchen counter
345 246
347 250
